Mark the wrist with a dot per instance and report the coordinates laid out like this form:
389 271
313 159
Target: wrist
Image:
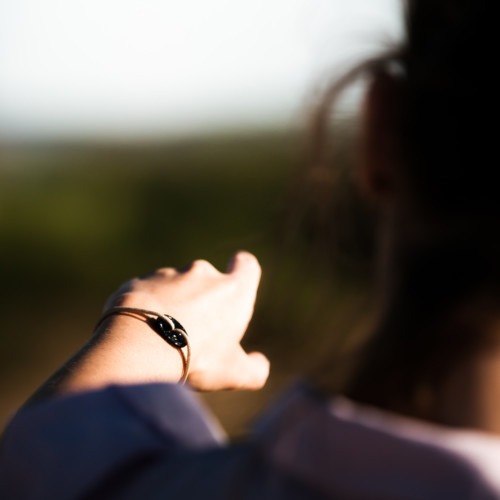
124 350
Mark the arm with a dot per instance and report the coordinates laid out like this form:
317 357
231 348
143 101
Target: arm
215 309
69 446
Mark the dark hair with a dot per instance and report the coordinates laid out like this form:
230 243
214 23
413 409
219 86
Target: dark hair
444 269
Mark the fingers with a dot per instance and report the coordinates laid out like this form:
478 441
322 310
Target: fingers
245 266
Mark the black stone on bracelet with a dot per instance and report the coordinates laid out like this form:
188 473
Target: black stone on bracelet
176 337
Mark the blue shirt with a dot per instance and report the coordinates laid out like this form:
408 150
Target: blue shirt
157 441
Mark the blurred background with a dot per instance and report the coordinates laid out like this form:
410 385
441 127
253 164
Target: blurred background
140 134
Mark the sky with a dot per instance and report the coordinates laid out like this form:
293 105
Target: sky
120 68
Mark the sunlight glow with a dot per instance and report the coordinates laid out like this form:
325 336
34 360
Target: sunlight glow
96 67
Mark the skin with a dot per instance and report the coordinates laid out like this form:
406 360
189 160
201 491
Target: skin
214 307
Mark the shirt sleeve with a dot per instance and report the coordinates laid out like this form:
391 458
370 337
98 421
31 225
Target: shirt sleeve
65 447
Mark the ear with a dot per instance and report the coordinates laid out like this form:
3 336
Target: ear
379 172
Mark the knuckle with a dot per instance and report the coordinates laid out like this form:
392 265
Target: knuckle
249 258
202 266
165 272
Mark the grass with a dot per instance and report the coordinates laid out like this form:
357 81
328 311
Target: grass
77 220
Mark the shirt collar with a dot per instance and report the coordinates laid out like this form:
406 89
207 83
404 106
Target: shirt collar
344 448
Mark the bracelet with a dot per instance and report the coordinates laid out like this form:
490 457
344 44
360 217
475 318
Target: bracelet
167 327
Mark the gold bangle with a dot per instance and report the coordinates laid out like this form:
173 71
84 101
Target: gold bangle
167 327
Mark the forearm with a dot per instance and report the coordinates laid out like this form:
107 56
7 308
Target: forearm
123 350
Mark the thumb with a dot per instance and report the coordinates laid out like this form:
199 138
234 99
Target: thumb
251 370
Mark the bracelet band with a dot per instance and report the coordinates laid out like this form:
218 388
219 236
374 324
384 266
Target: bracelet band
167 327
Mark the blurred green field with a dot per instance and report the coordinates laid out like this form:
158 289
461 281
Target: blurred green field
77 220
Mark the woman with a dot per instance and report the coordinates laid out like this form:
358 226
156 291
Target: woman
419 416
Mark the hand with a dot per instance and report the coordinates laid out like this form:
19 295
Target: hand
215 308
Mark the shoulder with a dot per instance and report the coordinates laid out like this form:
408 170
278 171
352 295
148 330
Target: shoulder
70 443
